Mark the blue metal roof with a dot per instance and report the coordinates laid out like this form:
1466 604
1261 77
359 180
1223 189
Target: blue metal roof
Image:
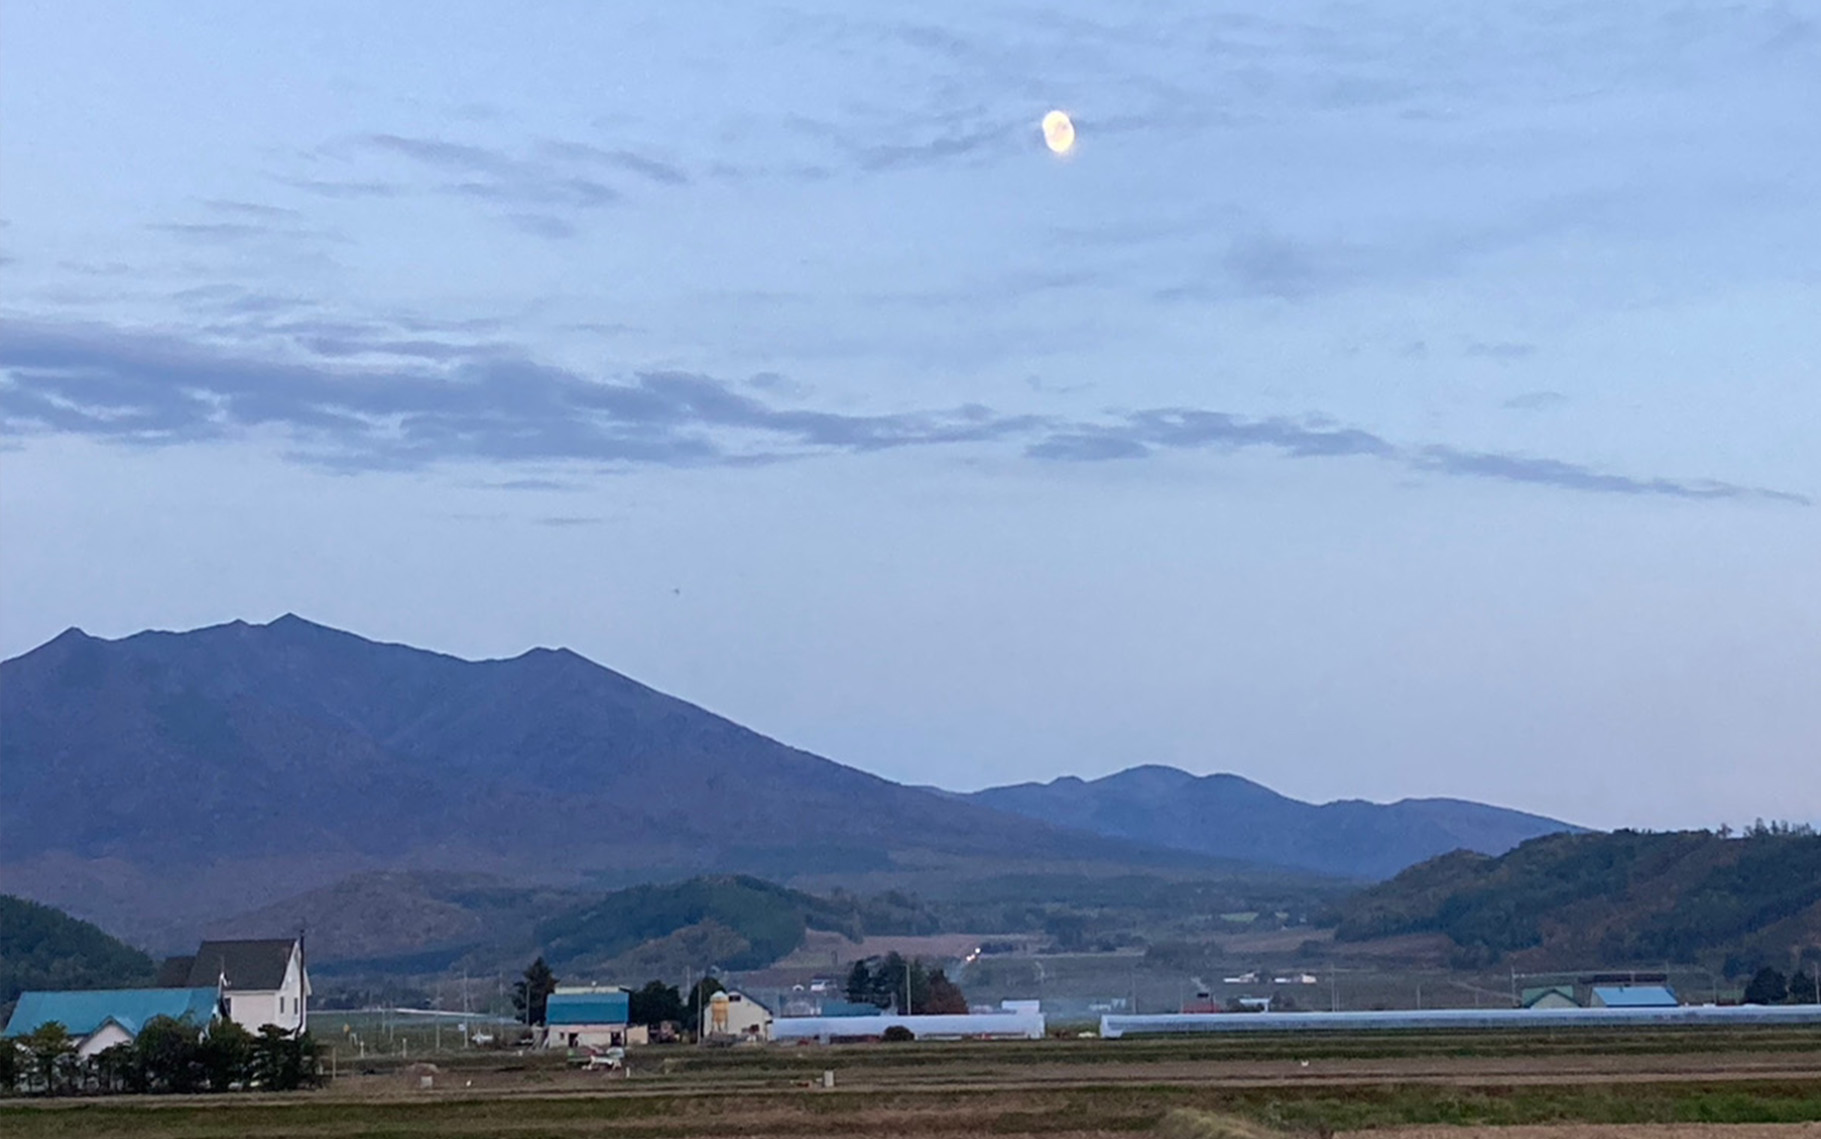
848 1008
83 1012
611 1007
1635 996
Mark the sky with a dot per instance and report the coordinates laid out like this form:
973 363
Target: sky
1382 399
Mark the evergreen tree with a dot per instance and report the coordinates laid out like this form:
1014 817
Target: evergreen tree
1768 987
655 1003
531 995
225 1056
168 1053
860 983
1802 987
945 997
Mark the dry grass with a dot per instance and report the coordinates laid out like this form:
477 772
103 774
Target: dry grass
1174 1089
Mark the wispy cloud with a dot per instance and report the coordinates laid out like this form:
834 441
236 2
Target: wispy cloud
1535 401
492 404
540 190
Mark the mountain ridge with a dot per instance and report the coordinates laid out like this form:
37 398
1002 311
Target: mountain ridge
1222 812
170 779
136 769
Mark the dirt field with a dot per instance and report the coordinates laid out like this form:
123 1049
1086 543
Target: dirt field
1664 1085
1607 1130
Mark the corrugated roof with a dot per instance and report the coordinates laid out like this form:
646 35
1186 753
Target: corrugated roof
1635 996
588 1008
245 964
847 1008
83 1012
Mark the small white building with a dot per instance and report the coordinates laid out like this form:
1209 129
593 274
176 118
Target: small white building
262 981
736 1016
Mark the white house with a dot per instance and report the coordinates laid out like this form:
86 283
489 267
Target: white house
262 982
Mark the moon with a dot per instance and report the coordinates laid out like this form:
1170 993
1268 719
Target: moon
1058 132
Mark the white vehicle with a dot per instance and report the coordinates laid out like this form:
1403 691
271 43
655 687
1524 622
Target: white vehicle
605 1059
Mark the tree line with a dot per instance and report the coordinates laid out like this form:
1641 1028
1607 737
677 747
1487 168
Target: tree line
907 985
168 1056
1768 986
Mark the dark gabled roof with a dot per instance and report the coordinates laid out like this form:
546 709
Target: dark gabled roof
174 973
255 965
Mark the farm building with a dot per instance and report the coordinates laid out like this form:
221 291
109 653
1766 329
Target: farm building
1633 996
736 1016
262 981
98 1019
590 1016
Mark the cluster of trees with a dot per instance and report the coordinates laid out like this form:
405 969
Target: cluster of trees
1769 986
888 981
658 1003
167 1056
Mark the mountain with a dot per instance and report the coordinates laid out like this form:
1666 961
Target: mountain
174 777
1620 899
1226 816
45 948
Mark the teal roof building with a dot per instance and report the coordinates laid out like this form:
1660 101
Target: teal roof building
606 1006
88 1014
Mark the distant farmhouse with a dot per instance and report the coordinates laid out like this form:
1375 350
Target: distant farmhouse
253 983
262 982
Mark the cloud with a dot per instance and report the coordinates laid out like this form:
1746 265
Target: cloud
542 225
649 168
252 210
1569 476
492 404
555 176
1535 401
1504 351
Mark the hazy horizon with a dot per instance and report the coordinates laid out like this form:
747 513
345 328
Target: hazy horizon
1378 402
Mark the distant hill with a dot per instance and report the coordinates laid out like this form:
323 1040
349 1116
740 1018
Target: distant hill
749 922
1623 899
170 778
1225 816
45 948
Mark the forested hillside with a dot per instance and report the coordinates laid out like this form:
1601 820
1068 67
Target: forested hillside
1626 898
45 948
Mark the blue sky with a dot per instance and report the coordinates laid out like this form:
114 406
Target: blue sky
1383 399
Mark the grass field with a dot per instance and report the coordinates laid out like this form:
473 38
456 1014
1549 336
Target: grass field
1174 1088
